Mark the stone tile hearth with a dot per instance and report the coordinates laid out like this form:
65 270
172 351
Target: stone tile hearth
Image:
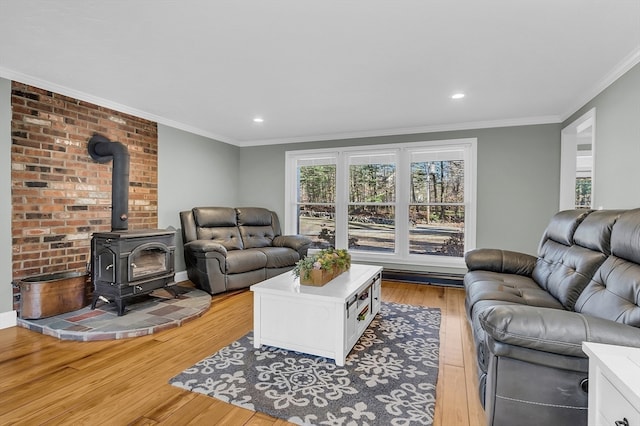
143 316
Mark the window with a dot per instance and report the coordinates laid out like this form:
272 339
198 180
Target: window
315 204
372 200
408 203
436 202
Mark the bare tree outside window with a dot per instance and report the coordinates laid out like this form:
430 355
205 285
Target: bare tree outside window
316 203
372 196
436 211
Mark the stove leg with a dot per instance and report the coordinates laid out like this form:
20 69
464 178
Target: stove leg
120 306
97 297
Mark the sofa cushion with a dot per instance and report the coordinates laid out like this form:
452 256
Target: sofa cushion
563 225
208 217
512 288
280 257
245 260
218 224
256 236
625 236
229 236
575 244
595 230
253 216
565 271
614 291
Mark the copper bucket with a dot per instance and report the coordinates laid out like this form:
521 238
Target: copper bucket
47 295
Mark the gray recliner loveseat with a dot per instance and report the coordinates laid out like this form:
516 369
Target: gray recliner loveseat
530 314
232 248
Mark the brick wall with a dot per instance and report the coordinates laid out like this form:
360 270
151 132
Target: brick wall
60 196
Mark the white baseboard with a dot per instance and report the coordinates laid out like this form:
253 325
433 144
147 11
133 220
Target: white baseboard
181 276
8 319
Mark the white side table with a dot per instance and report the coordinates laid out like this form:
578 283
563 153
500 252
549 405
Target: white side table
614 384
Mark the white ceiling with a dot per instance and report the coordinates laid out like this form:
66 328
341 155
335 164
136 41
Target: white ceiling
323 69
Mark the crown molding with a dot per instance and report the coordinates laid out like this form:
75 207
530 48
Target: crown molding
631 60
106 103
625 65
525 121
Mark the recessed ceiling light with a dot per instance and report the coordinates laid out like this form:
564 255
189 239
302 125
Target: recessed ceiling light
457 96
258 120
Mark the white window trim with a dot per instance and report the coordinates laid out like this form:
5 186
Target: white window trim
402 255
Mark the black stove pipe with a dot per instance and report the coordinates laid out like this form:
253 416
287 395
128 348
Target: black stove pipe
103 150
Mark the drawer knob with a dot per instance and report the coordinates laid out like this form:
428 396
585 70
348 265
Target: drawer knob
623 422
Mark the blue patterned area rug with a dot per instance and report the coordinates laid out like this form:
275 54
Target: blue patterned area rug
389 378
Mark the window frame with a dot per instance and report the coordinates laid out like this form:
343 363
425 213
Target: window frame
291 185
401 253
347 203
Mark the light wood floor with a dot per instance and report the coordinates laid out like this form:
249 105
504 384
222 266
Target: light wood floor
125 382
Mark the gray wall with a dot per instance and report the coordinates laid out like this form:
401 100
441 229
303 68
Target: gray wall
6 274
193 171
518 179
518 172
617 153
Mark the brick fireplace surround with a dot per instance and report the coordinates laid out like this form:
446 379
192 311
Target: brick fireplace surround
60 196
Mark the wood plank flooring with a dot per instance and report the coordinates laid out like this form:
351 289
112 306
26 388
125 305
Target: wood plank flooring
45 381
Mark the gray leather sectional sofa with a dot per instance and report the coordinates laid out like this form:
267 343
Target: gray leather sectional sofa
232 248
530 314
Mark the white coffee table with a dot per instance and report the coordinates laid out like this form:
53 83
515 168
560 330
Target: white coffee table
325 321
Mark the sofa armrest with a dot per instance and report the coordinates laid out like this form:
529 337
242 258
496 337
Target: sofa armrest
503 261
553 330
205 246
295 242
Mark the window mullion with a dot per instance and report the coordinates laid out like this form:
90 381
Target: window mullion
402 203
342 201
291 183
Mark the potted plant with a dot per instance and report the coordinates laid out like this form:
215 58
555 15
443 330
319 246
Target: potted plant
322 267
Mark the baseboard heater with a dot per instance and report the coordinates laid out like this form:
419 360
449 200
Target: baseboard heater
454 280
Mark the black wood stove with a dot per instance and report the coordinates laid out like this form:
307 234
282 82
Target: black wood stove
126 263
131 263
